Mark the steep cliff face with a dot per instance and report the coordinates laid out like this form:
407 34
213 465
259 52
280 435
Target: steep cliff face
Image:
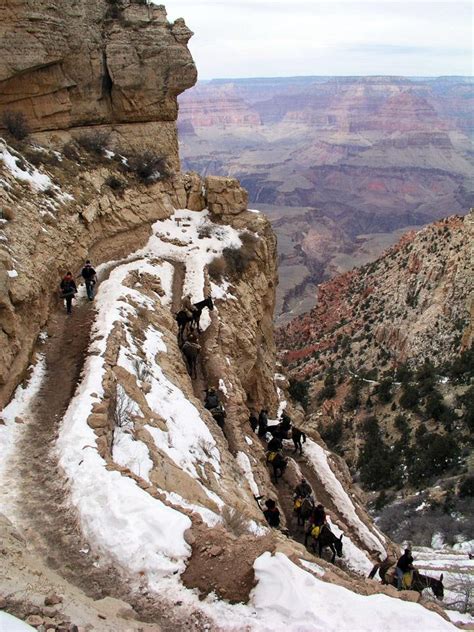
387 354
81 64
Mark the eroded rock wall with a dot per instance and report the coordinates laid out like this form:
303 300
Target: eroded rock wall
81 64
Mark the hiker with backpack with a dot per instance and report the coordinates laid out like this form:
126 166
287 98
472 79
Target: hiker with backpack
68 289
90 277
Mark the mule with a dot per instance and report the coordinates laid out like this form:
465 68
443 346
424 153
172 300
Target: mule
183 318
419 582
278 432
219 415
191 352
297 436
278 464
326 539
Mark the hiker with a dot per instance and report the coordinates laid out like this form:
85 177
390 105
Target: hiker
68 289
272 513
262 422
303 489
404 565
253 421
211 399
90 277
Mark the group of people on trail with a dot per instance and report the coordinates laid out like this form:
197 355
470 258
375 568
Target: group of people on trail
188 340
306 509
68 287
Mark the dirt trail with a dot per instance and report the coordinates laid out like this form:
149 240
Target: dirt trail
48 519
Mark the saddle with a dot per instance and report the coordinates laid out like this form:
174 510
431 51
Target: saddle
316 531
407 580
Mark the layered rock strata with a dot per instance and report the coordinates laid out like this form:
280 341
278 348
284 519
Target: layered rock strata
135 63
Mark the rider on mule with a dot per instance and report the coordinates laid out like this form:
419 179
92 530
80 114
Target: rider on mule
316 522
303 489
403 569
187 306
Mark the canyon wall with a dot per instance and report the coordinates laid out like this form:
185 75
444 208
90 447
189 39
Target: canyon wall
370 156
106 65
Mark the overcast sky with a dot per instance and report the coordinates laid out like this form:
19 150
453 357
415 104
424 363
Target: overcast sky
268 38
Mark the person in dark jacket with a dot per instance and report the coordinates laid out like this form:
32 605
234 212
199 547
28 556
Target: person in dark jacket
274 445
68 289
285 423
262 422
272 513
253 421
404 565
212 399
90 277
303 489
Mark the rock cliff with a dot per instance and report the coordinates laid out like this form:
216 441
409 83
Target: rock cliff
133 64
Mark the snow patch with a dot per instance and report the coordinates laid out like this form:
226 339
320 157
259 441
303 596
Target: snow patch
318 457
289 598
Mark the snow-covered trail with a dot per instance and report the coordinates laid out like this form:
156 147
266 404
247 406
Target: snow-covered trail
38 495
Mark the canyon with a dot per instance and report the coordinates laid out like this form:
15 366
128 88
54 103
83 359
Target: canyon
341 165
124 503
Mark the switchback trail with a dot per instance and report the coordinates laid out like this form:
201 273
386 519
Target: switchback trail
47 517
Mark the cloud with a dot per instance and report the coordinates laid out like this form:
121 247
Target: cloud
276 37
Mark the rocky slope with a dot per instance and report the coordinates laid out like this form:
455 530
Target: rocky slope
370 154
387 356
386 311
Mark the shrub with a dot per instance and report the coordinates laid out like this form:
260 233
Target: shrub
426 378
384 390
404 374
122 409
298 390
116 184
6 212
435 407
352 399
148 166
466 488
216 269
329 389
94 143
467 400
16 124
379 465
332 434
70 151
409 397
434 454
